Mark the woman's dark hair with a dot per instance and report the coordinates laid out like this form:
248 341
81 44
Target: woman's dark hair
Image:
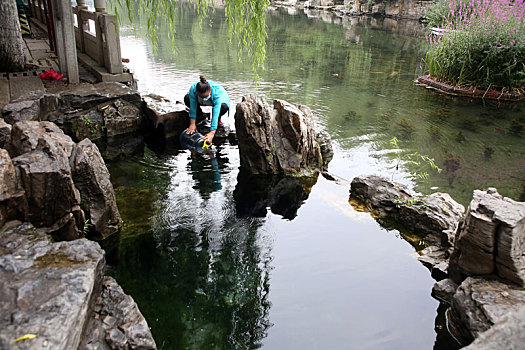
203 86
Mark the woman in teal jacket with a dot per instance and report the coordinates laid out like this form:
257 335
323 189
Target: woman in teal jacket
206 93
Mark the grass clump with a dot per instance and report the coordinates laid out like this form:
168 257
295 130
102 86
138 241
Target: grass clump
480 43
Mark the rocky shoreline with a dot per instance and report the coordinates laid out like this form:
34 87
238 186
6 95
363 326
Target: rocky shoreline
478 258
398 9
55 190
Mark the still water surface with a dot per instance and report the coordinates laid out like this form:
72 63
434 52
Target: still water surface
218 260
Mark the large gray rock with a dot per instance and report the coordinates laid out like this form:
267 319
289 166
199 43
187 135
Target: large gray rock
278 140
5 132
479 303
12 199
52 169
491 240
91 177
432 216
39 136
50 193
380 195
41 152
107 119
118 323
506 334
47 288
21 111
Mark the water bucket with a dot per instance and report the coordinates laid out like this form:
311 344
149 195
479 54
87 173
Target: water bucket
195 141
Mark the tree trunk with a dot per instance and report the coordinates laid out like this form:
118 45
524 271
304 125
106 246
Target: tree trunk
12 57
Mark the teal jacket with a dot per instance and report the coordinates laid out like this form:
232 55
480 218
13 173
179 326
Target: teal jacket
218 97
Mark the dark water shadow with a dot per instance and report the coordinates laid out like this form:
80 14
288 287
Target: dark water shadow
283 195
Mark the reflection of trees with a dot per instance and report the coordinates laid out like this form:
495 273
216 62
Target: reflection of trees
201 275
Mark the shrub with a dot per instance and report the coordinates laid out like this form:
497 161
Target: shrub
482 45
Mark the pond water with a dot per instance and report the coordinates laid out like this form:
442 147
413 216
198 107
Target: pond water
217 259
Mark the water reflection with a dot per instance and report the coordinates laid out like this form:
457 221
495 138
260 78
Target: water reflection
197 256
283 195
199 273
206 172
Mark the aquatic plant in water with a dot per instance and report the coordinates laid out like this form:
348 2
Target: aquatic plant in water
414 160
481 43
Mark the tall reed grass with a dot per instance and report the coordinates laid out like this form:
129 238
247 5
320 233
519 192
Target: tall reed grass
482 43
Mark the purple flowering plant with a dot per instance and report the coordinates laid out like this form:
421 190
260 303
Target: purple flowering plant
477 43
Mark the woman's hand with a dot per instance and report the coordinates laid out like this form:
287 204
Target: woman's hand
192 128
209 136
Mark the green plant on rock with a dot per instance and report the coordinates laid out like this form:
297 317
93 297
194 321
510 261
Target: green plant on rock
85 229
90 125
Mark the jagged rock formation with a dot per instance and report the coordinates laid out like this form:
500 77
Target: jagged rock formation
481 302
47 289
433 217
506 334
491 240
57 184
55 291
279 140
117 322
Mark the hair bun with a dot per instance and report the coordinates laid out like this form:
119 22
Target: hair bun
203 79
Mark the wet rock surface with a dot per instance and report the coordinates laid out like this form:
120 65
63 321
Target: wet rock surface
480 303
47 288
117 322
45 192
431 217
279 140
491 240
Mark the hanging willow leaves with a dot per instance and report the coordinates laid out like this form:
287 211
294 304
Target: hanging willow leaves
246 22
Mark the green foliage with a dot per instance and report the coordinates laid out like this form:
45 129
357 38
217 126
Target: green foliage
410 202
481 44
90 125
246 22
438 15
415 161
474 59
85 229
